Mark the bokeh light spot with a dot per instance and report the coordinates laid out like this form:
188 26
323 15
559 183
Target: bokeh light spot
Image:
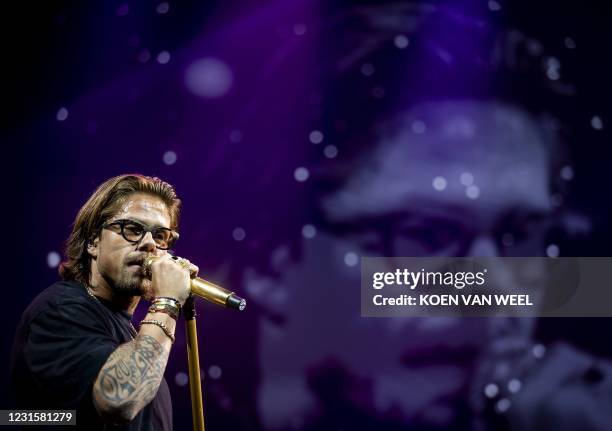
53 259
301 174
169 158
209 78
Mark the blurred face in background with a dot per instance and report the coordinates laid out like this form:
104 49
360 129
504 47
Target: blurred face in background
445 179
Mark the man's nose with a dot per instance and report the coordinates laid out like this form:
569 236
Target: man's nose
147 243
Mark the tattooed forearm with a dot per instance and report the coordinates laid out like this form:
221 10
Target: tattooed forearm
130 377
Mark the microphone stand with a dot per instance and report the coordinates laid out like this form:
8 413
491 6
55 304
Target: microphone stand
193 359
215 294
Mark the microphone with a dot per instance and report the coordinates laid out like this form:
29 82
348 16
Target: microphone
204 289
216 294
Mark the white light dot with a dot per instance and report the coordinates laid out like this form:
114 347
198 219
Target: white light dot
502 405
351 259
400 41
239 234
466 178
439 183
62 114
552 250
163 57
472 192
491 390
169 158
181 379
316 137
309 231
330 151
494 6
209 78
301 174
162 8
299 29
367 69
53 259
235 136
214 371
596 122
569 43
514 386
567 173
123 10
418 127
539 350
144 56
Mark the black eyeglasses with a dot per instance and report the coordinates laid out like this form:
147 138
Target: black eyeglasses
134 231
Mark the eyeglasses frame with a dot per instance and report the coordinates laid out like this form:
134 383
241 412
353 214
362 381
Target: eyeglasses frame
145 228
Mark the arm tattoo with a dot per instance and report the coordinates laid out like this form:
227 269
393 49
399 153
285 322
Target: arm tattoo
133 373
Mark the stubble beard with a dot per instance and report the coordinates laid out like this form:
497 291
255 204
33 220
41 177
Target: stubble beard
132 284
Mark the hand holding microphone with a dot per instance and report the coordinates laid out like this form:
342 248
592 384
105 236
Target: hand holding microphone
200 287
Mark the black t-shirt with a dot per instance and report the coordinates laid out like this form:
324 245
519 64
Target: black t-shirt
63 339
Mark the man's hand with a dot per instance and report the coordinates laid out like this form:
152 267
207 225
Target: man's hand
171 277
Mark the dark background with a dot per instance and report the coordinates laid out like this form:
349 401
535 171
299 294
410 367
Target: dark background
124 115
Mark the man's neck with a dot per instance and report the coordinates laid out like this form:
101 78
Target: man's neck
122 302
101 287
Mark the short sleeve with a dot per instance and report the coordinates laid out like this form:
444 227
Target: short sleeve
65 350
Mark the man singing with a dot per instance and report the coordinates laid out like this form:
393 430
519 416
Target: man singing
75 347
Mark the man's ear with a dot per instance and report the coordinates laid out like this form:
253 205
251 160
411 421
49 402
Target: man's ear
92 247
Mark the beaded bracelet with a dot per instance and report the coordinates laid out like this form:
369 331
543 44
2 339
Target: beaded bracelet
160 325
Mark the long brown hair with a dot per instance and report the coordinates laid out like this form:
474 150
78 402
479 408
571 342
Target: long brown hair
99 208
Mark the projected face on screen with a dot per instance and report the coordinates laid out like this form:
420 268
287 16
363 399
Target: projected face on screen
449 179
444 179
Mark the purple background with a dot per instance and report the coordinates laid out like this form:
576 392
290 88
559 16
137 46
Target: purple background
230 133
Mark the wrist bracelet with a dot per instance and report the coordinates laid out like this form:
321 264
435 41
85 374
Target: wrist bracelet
168 309
160 325
167 301
168 298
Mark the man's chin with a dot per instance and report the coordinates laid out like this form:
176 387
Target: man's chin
136 286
